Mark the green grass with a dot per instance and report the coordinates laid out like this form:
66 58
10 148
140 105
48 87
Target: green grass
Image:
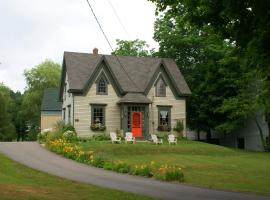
203 164
18 182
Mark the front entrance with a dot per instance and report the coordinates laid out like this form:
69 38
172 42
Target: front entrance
135 119
136 124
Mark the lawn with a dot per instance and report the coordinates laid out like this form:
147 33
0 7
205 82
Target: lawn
18 182
203 164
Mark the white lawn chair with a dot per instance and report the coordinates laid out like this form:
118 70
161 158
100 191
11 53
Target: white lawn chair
129 138
172 139
114 138
155 139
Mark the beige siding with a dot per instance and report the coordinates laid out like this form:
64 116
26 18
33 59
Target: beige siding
67 101
48 121
178 110
82 114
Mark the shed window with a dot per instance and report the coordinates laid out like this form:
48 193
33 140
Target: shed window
161 88
102 86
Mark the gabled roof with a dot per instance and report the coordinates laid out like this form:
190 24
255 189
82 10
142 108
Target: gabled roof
50 100
132 74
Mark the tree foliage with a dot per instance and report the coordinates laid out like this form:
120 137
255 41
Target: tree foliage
136 47
7 129
42 76
246 24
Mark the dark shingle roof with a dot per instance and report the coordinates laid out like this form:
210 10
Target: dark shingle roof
134 98
134 78
50 100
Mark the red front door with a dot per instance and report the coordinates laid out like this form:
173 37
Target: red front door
136 124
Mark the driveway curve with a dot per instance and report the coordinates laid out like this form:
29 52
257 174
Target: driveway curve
33 155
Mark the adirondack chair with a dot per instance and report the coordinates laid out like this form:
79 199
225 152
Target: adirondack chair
172 139
155 139
114 138
129 138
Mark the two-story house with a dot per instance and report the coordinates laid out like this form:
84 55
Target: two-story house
138 94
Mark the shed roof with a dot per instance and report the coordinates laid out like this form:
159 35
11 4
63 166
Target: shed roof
50 100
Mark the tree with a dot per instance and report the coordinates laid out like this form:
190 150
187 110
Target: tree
42 76
210 66
132 48
7 129
245 24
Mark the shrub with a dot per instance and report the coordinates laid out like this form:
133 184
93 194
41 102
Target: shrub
101 137
52 136
97 161
142 170
121 167
108 165
70 136
42 136
179 127
68 127
170 173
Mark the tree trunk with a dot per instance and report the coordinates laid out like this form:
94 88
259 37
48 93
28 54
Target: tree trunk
208 135
261 133
198 135
267 119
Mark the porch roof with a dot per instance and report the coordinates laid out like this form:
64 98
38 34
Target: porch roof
135 98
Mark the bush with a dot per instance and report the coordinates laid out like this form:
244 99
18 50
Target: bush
98 161
167 173
101 137
142 170
108 165
69 127
70 136
121 167
179 127
52 136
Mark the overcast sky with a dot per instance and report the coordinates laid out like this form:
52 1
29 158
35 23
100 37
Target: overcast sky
34 30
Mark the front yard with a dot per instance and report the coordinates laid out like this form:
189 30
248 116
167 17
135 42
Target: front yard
18 182
203 164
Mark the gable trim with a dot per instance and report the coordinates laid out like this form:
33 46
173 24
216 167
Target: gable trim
162 73
102 67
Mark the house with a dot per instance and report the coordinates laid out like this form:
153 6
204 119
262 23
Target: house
51 109
138 94
247 137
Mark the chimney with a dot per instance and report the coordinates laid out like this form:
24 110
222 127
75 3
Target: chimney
95 51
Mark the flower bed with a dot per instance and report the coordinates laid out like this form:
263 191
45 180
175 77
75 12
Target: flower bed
72 151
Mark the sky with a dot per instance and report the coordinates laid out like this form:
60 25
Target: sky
34 30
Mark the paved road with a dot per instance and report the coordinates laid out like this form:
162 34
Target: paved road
33 155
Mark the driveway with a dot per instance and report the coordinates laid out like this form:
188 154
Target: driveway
33 155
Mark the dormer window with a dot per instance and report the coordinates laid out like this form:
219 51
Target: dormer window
102 86
160 88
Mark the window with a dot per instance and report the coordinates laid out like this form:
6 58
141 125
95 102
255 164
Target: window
98 115
69 114
160 88
164 118
102 86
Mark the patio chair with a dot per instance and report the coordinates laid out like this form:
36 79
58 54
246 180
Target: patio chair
129 138
155 139
114 138
172 139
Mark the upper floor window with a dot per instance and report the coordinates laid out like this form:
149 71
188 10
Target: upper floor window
102 86
160 88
